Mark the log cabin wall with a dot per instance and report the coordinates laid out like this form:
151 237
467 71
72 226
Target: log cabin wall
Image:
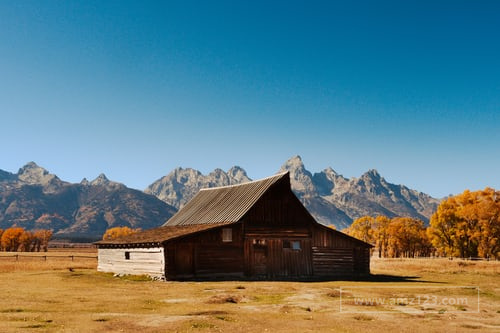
134 261
334 254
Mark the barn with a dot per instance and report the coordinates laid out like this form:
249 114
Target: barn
256 230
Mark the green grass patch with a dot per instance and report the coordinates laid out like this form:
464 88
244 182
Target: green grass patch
135 278
12 310
363 317
202 325
270 298
101 320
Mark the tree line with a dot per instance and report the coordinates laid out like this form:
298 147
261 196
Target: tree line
18 239
465 225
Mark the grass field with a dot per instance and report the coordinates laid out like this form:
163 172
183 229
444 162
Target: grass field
60 295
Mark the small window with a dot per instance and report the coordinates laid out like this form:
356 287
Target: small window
127 255
227 235
259 242
294 245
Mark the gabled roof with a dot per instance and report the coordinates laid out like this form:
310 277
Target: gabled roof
159 235
227 204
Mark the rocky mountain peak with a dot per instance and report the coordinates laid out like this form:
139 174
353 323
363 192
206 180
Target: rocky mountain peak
32 174
237 175
372 173
330 172
300 177
293 163
85 182
100 180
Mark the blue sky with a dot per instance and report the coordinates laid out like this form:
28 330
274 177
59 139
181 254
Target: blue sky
136 88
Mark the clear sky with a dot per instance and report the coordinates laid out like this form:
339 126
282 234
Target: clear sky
136 88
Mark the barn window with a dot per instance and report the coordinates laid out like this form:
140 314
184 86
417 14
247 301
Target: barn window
127 255
259 242
227 235
294 245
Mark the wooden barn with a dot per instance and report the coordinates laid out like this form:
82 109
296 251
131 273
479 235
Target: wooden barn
256 230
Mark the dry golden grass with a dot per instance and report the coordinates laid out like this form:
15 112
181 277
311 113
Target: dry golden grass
66 296
54 259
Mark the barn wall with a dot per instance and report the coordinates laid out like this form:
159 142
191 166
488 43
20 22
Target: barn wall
205 255
149 261
265 257
334 254
279 207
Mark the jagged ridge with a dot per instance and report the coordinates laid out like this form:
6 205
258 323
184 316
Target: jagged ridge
35 199
330 197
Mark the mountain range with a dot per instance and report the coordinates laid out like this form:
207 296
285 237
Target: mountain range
33 198
36 199
329 197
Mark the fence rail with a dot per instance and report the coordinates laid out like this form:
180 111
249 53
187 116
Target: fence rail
44 257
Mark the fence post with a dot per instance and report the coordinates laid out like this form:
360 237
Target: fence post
45 257
72 258
17 257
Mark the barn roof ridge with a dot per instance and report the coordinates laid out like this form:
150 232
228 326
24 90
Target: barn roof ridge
278 175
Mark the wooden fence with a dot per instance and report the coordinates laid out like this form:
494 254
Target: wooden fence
44 257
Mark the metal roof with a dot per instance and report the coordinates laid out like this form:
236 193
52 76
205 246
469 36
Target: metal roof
227 204
159 235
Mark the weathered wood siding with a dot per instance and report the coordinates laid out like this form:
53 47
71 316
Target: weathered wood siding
205 255
335 254
149 261
267 258
278 207
277 217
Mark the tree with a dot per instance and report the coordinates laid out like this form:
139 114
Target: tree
11 239
41 239
26 241
407 237
442 229
468 224
380 226
488 233
362 228
118 232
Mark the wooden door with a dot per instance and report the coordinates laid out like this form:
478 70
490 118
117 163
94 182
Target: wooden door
184 260
259 260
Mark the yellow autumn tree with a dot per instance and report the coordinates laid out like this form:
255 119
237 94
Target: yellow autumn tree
381 235
26 241
41 240
407 238
118 232
442 229
488 231
362 228
11 239
468 224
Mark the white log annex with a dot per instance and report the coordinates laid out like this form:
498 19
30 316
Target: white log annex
133 261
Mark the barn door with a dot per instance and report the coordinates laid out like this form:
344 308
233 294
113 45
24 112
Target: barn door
259 258
184 260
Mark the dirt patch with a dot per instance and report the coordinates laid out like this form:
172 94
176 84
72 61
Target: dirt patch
221 299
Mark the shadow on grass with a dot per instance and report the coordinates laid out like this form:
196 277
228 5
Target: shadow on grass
389 278
358 278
